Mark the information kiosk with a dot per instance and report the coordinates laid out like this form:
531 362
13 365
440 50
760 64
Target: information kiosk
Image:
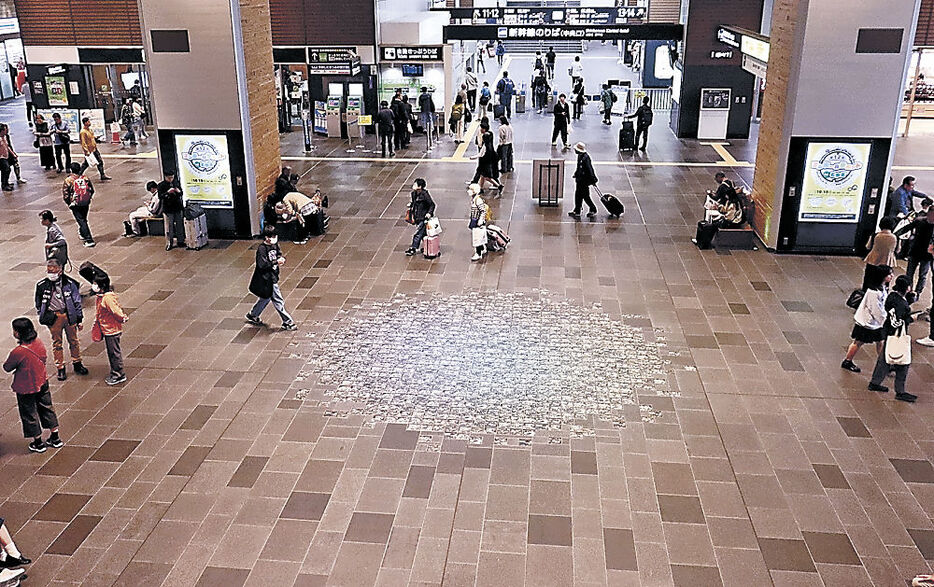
333 117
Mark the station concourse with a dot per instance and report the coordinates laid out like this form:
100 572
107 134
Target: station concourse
601 403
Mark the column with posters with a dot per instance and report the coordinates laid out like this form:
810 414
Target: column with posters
204 169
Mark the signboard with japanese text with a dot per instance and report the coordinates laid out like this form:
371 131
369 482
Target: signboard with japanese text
650 32
333 61
418 53
204 169
834 182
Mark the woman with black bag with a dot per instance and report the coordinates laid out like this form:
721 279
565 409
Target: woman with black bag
870 317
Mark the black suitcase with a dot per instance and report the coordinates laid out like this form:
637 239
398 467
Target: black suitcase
611 203
91 272
627 137
499 110
317 223
705 233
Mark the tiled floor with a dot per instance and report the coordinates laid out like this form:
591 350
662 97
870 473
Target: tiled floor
751 458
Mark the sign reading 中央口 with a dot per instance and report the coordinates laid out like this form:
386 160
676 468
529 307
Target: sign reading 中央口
416 53
204 169
834 182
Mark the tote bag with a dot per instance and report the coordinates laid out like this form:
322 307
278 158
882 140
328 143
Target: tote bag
898 347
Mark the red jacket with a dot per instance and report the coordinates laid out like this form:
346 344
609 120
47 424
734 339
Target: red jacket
27 363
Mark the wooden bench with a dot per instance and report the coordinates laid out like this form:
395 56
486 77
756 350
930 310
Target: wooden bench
737 238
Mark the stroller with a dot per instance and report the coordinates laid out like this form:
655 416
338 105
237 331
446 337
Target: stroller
497 239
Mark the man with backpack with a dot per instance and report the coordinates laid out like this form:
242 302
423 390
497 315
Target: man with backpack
643 116
485 97
539 64
77 192
426 115
607 98
506 88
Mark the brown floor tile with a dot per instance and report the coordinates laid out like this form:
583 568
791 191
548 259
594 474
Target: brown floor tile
72 537
367 527
831 477
305 506
854 427
218 577
248 472
419 481
115 451
550 497
66 461
583 463
677 508
620 549
142 573
478 458
786 555
63 507
191 459
551 530
831 548
674 479
397 437
198 417
914 471
691 576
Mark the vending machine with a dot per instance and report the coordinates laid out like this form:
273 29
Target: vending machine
333 116
354 111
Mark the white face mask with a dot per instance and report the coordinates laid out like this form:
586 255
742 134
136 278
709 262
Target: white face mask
53 276
273 240
95 288
414 187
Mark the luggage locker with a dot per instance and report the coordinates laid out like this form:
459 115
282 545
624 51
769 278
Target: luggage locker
196 227
611 203
431 245
627 137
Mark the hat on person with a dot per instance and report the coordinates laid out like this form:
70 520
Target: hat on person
473 189
580 147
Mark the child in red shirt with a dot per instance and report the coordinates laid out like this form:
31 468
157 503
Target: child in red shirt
31 384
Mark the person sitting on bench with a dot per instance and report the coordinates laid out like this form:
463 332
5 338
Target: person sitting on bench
151 209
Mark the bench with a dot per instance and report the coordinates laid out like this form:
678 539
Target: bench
737 238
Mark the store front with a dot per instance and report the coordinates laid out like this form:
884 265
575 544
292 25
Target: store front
12 59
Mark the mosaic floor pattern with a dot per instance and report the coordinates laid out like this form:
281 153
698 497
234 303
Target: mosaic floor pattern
487 363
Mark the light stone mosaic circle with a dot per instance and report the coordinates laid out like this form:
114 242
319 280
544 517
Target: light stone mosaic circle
486 363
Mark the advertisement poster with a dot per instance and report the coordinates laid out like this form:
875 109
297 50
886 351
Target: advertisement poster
57 90
204 169
97 121
834 182
69 116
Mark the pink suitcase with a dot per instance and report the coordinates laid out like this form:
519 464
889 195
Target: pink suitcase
431 245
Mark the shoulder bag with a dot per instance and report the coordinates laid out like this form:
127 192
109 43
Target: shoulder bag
898 347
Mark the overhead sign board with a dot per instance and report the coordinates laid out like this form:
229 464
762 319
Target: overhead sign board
649 32
333 61
755 48
418 53
728 37
544 15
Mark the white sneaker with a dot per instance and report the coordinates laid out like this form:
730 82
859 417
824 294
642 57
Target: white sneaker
475 257
11 577
926 341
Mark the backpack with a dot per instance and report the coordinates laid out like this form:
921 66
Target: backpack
484 95
81 191
613 96
538 63
506 86
646 117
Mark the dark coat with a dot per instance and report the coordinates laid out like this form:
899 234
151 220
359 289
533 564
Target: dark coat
170 194
584 174
896 307
266 273
562 114
283 186
924 233
384 121
72 294
422 205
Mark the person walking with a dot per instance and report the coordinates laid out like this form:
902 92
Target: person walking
265 281
58 306
426 114
26 89
477 223
919 255
506 88
898 310
56 247
400 122
384 125
457 119
109 319
505 145
540 89
550 59
584 177
10 556
500 52
126 118
870 317
89 146
421 209
644 117
139 124
463 94
485 97
607 98
173 205
579 100
44 142
882 247
61 133
481 49
562 114
13 160
470 80
577 69
31 384
77 191
487 164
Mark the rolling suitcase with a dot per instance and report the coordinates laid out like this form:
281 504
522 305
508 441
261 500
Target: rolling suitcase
90 272
705 233
520 103
431 245
196 227
611 203
499 110
627 137
498 233
316 224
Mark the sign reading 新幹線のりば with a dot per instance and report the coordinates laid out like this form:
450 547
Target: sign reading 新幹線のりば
649 32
